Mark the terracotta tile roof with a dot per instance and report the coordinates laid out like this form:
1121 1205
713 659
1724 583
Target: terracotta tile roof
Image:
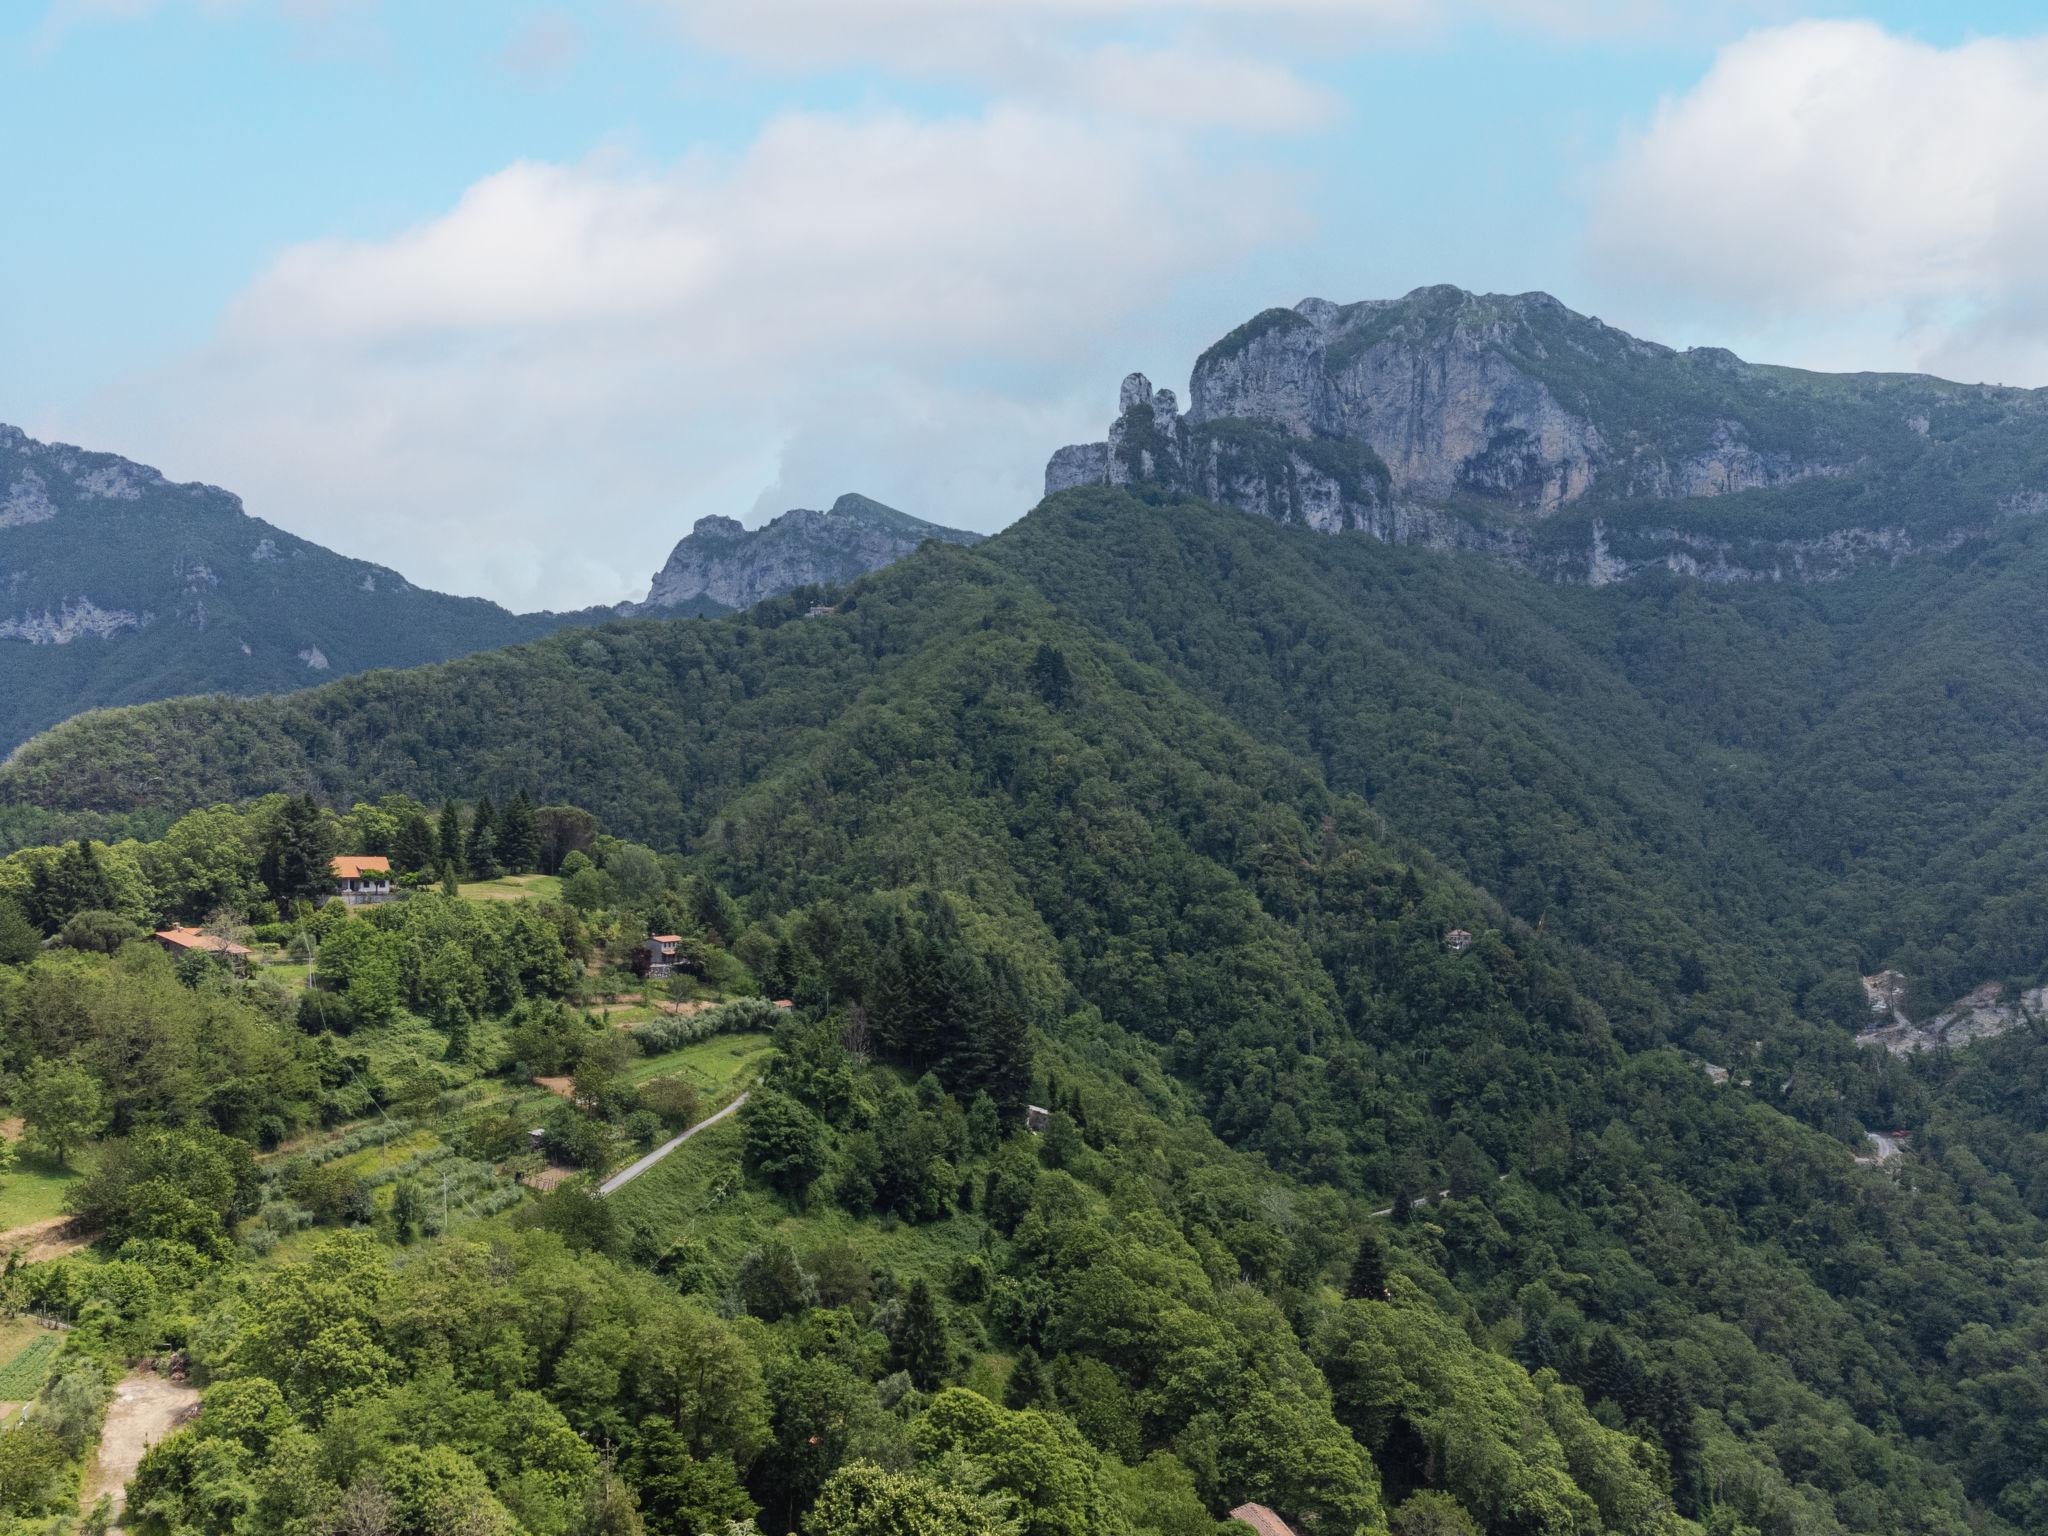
664 938
193 938
349 866
1262 1520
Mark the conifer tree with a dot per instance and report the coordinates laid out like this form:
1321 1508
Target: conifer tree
483 840
298 853
1368 1278
412 846
1026 1386
448 844
19 940
518 836
922 1348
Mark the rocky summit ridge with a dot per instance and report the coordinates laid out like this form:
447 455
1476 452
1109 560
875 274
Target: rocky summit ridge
1510 423
720 564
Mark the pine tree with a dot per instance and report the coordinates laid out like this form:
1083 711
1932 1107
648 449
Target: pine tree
518 836
412 847
298 853
449 842
1026 1386
483 840
76 881
1368 1278
922 1348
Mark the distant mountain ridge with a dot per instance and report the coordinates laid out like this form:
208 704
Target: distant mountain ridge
1515 425
119 586
721 565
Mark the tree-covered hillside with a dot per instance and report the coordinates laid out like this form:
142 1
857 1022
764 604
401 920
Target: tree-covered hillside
1176 809
118 586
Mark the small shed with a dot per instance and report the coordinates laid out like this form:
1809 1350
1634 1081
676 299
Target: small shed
1457 941
537 1138
1036 1118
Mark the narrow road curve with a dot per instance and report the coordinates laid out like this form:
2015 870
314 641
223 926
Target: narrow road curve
633 1171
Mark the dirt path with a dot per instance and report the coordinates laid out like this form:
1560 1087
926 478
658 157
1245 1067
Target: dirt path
40 1240
146 1407
633 1171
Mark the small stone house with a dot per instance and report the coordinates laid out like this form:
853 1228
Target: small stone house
1036 1118
190 941
362 881
1457 941
657 956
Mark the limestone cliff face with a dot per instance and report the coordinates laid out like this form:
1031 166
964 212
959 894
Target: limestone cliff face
721 564
1458 419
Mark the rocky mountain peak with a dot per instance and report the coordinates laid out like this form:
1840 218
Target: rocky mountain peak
721 565
1458 418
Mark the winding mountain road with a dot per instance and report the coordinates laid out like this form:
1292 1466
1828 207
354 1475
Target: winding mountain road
632 1171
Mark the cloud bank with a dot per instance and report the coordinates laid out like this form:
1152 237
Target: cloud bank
537 391
1849 176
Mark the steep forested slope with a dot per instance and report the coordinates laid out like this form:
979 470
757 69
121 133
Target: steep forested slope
1150 807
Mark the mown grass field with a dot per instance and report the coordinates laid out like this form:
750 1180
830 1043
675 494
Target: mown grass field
512 888
33 1190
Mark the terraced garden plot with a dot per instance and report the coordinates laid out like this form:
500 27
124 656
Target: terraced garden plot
27 1351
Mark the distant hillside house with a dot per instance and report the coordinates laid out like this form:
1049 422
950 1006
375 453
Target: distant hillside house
362 881
1036 1118
1457 941
189 941
657 954
1262 1520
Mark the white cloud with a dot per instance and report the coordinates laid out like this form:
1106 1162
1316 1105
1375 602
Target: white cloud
1832 170
535 393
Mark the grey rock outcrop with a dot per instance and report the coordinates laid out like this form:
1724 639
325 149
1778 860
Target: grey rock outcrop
1477 420
721 564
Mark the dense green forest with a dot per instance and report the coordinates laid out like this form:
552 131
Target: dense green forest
1156 817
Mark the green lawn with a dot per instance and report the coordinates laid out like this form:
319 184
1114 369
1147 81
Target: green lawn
34 1189
718 1068
513 888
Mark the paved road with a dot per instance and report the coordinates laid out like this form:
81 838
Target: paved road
633 1171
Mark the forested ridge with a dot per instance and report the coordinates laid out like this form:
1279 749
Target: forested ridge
1158 817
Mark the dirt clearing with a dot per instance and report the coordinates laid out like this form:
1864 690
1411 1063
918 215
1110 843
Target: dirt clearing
146 1407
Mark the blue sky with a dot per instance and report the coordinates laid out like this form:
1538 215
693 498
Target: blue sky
507 295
